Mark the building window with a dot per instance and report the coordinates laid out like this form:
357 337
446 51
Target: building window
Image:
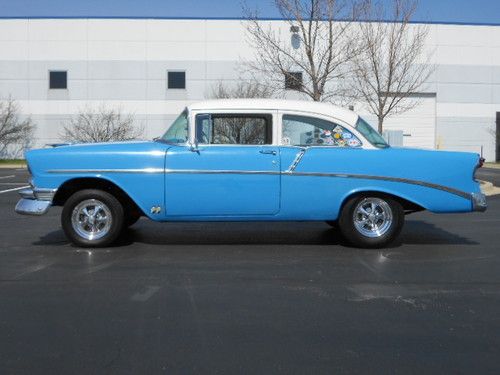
58 80
293 81
176 80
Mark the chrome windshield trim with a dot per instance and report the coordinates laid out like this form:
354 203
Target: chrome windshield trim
139 170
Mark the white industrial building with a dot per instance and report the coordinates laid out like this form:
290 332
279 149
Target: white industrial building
55 67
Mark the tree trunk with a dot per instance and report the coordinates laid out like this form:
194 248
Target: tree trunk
317 96
380 124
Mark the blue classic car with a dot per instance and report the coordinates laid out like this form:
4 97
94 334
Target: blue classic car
251 160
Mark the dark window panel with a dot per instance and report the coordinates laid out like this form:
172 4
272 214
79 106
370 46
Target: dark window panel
58 80
234 129
293 80
176 80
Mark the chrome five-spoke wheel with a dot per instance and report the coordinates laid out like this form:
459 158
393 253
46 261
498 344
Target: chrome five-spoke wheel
372 217
371 220
91 219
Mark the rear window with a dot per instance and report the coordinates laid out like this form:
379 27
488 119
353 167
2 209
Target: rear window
371 134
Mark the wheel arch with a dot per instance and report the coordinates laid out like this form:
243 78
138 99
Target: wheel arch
73 185
409 206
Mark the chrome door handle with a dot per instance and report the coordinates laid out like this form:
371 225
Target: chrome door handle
268 152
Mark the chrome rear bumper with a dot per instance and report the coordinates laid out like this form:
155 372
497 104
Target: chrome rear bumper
479 202
35 201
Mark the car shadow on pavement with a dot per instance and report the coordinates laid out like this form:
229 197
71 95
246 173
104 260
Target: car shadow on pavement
417 232
243 233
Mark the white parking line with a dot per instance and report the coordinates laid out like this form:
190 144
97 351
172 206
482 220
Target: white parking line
9 190
5 177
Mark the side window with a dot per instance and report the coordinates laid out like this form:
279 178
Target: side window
234 129
178 131
311 131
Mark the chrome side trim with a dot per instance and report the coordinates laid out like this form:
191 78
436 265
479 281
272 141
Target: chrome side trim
289 172
74 171
297 160
460 193
219 171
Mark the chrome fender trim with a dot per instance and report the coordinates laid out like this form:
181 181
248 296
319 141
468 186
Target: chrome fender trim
290 172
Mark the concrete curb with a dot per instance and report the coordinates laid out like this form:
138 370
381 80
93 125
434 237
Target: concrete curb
492 165
489 189
12 166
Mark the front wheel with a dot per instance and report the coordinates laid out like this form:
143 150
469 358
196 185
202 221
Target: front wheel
371 221
92 218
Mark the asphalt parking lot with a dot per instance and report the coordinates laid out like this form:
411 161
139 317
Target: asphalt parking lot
254 298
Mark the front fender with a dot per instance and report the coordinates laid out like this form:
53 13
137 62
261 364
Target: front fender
137 168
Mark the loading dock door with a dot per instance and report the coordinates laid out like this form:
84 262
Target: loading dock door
418 124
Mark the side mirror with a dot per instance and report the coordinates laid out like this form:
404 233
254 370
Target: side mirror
194 147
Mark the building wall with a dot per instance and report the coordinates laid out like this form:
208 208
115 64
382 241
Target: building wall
124 63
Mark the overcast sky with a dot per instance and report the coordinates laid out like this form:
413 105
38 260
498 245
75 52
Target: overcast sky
472 11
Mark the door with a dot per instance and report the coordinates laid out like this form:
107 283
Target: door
497 138
233 171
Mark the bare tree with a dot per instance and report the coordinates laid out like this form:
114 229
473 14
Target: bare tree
243 89
239 130
392 67
13 131
319 46
101 125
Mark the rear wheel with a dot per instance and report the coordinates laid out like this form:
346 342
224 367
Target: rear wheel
92 218
371 221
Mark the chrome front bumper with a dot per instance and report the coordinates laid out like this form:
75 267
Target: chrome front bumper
479 202
35 201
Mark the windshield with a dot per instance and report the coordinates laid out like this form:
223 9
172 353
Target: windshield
178 131
371 134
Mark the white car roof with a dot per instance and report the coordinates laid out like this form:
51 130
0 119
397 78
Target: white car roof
326 109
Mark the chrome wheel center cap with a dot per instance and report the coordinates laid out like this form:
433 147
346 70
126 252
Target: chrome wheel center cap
372 217
91 219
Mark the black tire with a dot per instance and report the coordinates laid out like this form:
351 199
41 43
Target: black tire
113 209
351 232
131 218
333 223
